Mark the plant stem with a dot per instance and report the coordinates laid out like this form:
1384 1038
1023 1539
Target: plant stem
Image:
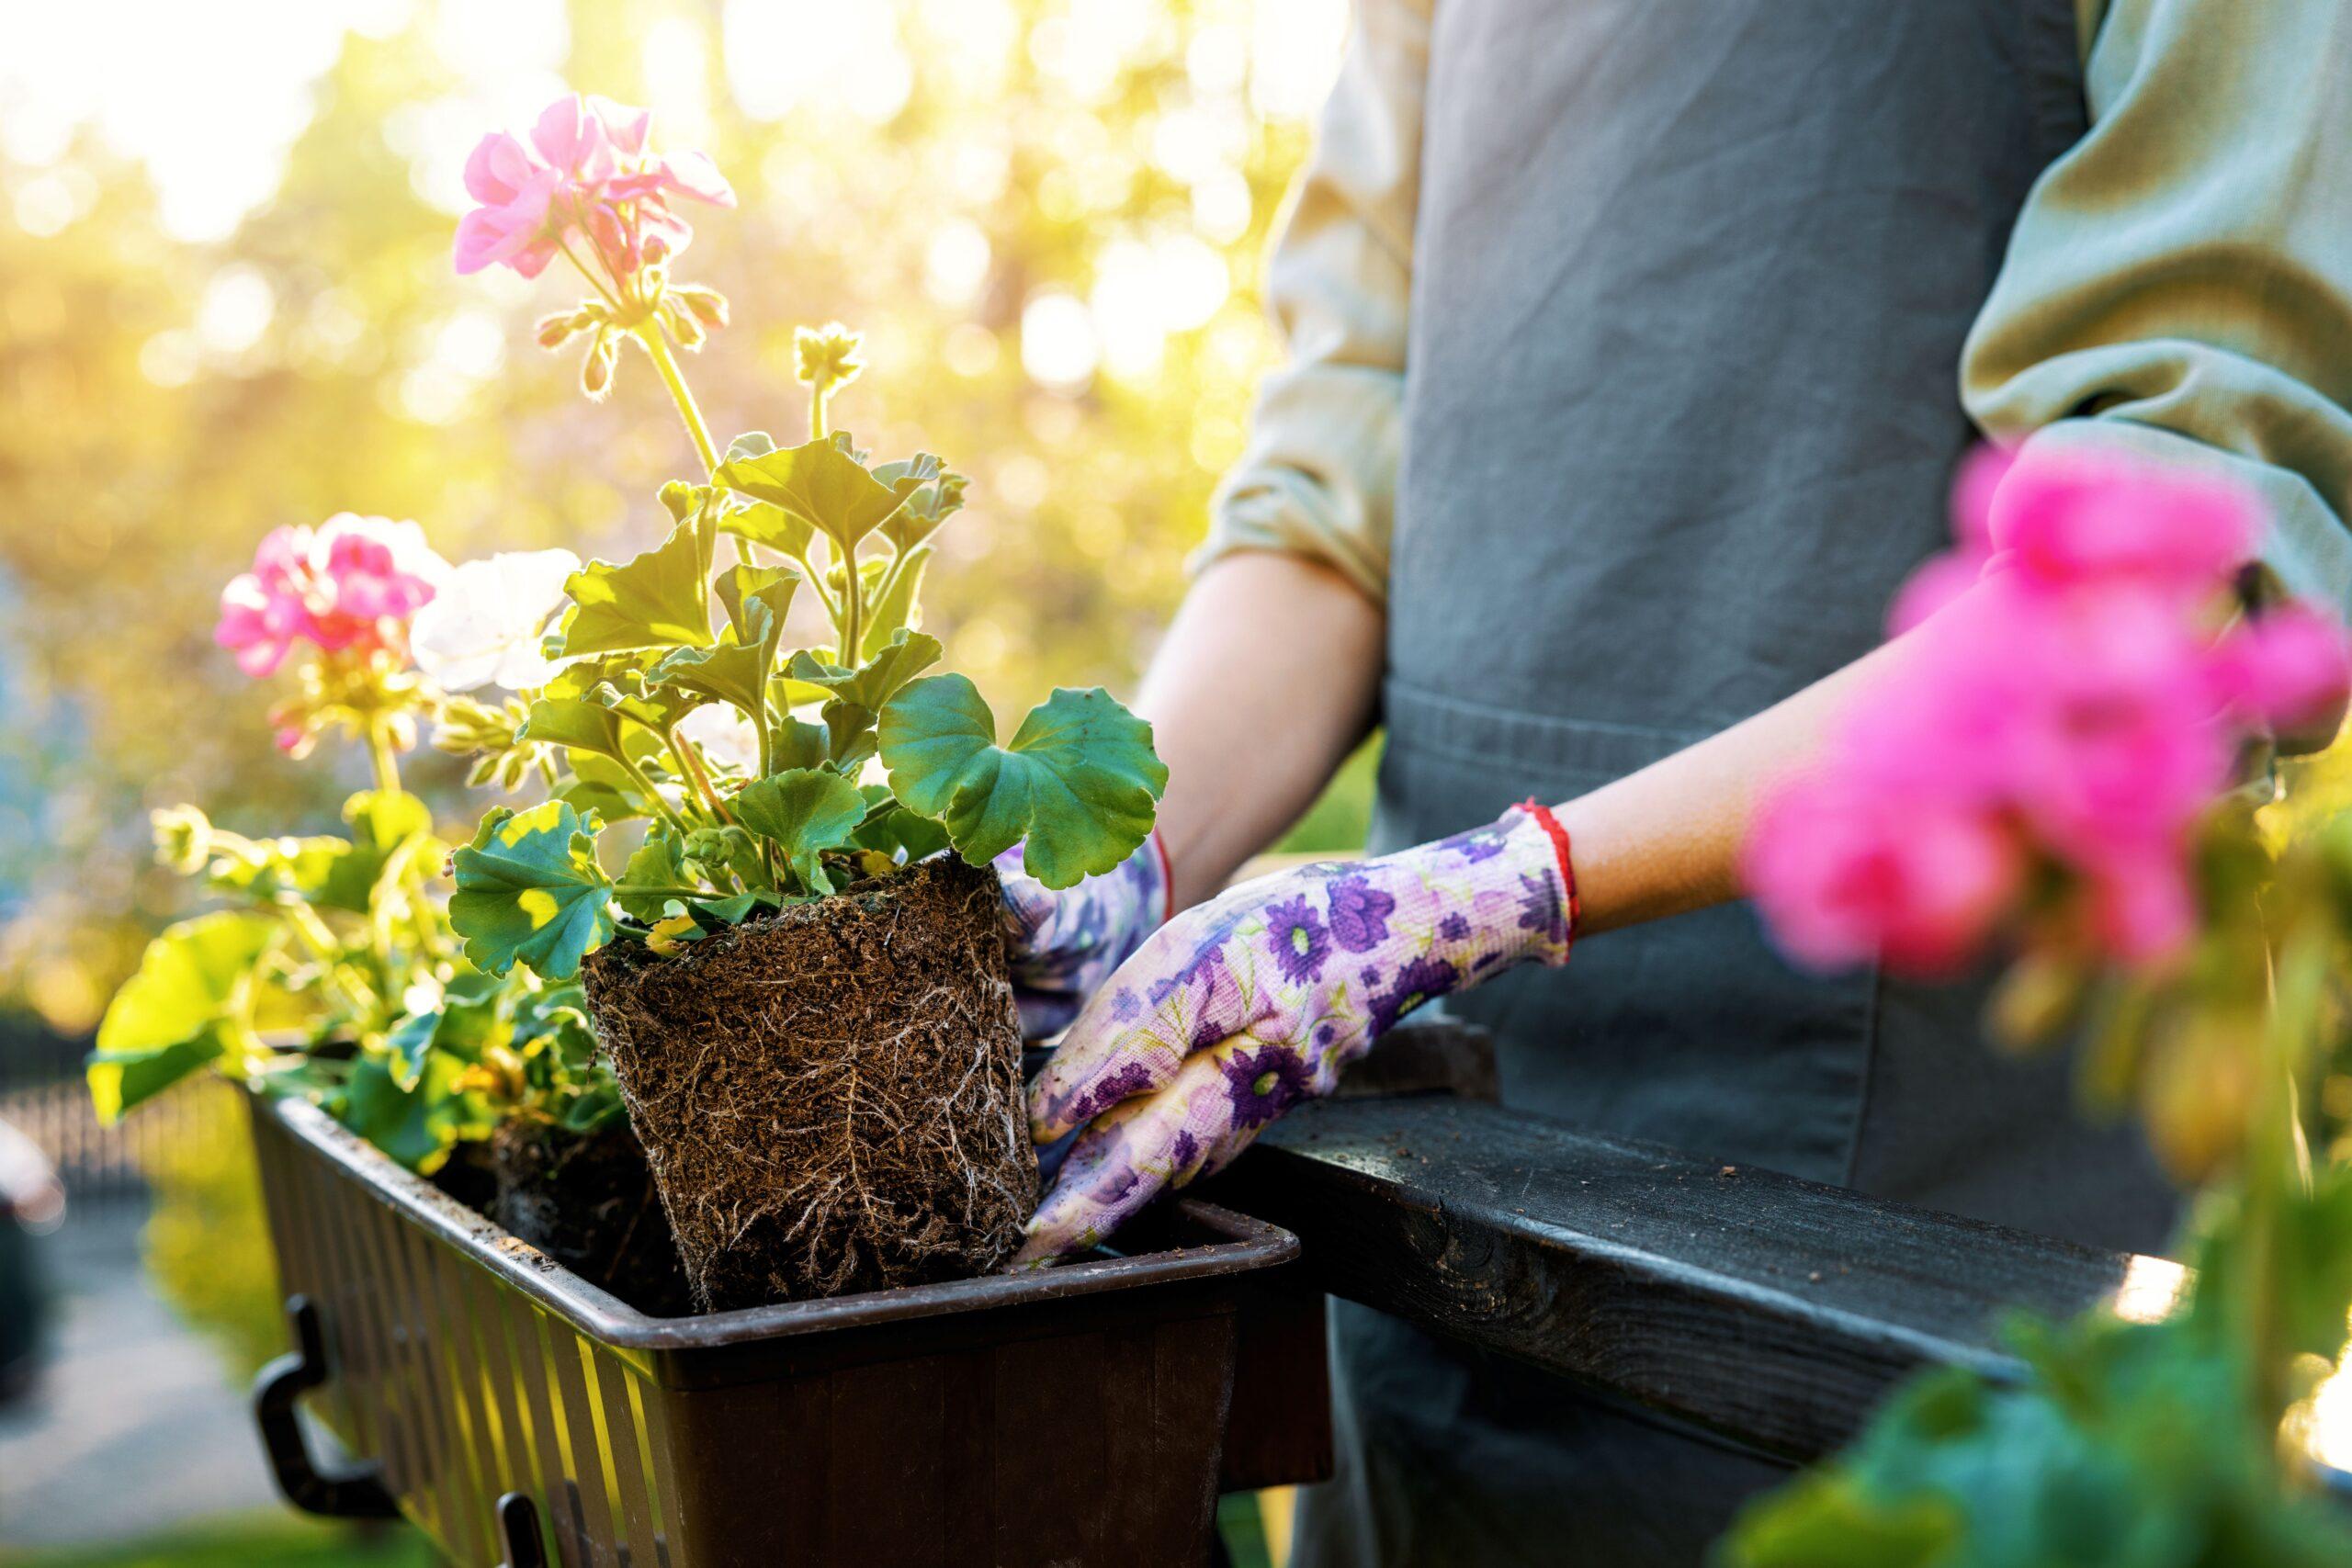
385 756
656 348
654 795
690 765
594 281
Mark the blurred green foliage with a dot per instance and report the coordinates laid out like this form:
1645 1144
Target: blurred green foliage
208 1248
1065 165
267 1541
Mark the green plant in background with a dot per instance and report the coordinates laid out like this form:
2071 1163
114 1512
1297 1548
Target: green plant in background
333 972
2109 684
750 763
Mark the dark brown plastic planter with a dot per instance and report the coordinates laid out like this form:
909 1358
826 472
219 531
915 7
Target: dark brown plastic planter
521 1415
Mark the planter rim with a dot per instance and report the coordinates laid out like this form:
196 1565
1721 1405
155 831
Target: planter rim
1247 1244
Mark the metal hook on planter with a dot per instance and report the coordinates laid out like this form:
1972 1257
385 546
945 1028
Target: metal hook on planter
518 1532
354 1492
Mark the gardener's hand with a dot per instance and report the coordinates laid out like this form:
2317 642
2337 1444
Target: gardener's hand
1239 1008
1064 944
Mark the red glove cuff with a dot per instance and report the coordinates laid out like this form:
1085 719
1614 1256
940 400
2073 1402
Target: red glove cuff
1559 837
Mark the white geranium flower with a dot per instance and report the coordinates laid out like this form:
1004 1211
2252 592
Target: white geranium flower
486 623
724 737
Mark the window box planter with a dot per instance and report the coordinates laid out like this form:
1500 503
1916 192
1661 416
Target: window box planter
521 1415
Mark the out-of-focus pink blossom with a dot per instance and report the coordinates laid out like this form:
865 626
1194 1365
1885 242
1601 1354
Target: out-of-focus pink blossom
2064 703
2070 519
586 170
351 583
2286 667
2143 909
1847 873
2121 745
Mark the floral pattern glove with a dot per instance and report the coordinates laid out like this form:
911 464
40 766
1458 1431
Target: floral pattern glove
1240 1008
1064 944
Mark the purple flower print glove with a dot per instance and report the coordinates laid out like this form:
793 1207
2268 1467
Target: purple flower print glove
1064 944
1236 1009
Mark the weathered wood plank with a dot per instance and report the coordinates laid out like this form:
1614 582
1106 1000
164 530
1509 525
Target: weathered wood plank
1776 1310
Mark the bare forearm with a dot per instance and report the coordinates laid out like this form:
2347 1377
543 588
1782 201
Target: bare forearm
1666 840
1267 680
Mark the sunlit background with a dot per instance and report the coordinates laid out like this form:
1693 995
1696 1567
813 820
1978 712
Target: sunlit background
226 303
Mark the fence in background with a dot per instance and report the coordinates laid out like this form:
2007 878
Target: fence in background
42 1095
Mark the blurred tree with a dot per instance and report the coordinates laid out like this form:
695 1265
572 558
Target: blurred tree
1046 214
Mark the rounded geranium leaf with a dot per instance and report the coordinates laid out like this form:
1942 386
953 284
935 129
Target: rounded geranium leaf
529 889
1078 783
658 599
817 481
802 811
174 1016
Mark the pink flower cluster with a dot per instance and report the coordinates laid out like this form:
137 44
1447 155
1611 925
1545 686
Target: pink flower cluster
351 583
2075 695
585 169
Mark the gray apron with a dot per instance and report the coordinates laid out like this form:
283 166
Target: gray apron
1691 282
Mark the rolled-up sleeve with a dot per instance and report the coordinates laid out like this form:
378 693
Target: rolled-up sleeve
1318 475
2179 283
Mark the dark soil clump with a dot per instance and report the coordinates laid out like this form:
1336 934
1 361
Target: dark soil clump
830 1099
588 1201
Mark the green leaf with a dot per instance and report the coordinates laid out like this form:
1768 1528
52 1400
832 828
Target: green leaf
751 444
796 742
930 493
895 830
1078 782
417 1125
874 683
382 822
770 525
577 723
817 483
803 812
461 1026
599 785
529 889
897 608
850 737
655 864
592 1109
757 598
658 599
179 1010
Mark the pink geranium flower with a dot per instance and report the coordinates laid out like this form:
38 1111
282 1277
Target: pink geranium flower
586 170
1845 873
2066 704
351 583
2284 667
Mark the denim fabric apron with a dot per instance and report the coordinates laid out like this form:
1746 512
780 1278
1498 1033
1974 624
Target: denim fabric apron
1691 282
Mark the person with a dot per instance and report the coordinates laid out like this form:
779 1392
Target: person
1634 348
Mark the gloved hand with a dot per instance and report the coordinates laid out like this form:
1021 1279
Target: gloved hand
1238 1009
1064 944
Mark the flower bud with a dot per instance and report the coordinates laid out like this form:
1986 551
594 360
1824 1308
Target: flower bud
708 305
683 324
596 369
553 331
183 839
828 354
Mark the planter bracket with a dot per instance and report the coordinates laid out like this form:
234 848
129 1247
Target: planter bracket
343 1493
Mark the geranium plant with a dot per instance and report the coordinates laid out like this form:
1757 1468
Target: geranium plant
2051 773
768 774
332 971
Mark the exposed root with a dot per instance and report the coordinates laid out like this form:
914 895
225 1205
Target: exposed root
831 1099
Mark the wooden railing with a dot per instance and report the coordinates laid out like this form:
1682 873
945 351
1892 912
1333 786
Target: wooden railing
1774 1310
